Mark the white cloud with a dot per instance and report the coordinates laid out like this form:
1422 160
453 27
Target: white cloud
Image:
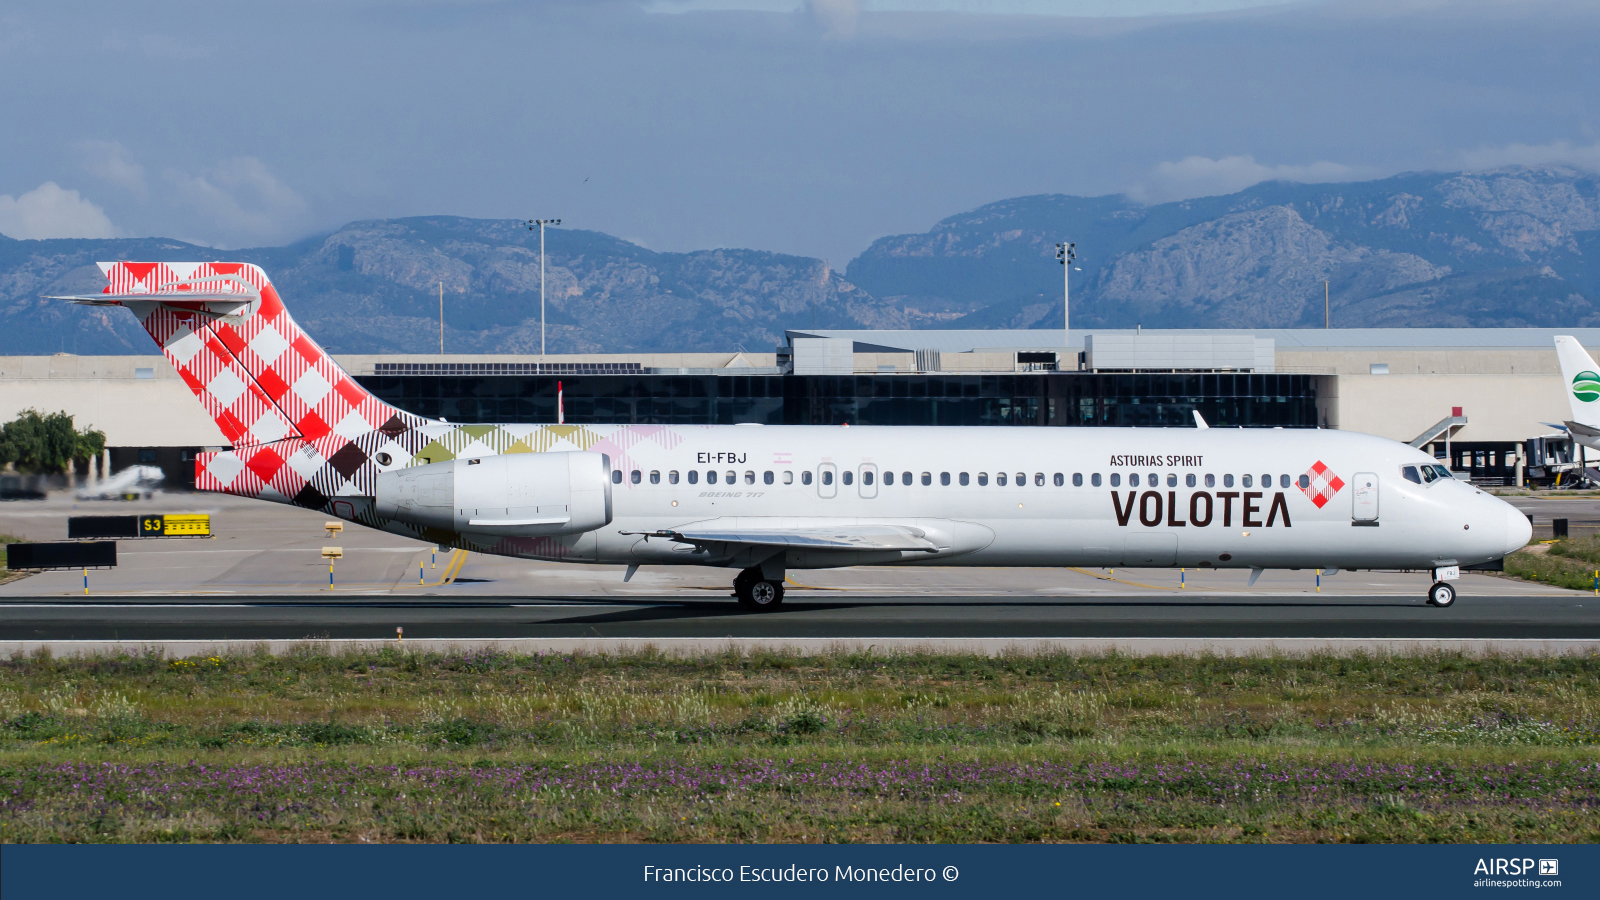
243 200
111 161
1558 153
837 17
1201 176
50 211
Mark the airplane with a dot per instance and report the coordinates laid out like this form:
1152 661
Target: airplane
1582 376
137 479
766 499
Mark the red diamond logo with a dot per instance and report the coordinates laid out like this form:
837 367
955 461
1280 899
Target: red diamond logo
1319 484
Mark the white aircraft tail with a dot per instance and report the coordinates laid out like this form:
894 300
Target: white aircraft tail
1582 378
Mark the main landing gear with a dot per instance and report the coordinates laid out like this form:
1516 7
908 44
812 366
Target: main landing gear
1441 594
755 592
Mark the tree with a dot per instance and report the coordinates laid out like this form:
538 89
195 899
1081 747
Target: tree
39 443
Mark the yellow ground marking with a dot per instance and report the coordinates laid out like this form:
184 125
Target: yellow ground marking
811 587
1153 587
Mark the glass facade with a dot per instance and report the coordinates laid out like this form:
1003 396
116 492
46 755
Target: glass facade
1066 398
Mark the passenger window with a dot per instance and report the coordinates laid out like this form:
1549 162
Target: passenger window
1410 473
805 477
1211 481
827 477
944 479
963 479
1266 481
1000 479
694 476
849 477
672 477
1038 479
711 476
1305 481
1188 480
1155 479
1246 481
655 477
1022 479
1172 480
1060 479
616 476
1227 481
888 478
1133 479
1095 479
636 477
766 477
983 478
788 477
1283 481
927 479
1077 479
733 477
1116 480
866 476
750 477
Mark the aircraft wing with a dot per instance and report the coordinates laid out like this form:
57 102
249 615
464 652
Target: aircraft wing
837 537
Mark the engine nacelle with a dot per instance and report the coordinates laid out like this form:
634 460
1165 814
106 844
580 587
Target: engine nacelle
524 494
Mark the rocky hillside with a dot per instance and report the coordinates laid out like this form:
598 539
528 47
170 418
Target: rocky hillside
1511 247
373 287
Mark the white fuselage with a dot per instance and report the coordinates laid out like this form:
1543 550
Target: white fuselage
1038 497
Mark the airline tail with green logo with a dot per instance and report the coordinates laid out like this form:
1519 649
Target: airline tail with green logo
1582 378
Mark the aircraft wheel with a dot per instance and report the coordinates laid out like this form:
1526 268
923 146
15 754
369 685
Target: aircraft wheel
1441 594
757 594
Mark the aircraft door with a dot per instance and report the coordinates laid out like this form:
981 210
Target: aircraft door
1365 494
827 481
869 481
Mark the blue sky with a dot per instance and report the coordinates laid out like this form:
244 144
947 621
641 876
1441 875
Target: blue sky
802 127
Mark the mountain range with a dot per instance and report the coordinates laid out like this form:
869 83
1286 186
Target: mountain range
1510 247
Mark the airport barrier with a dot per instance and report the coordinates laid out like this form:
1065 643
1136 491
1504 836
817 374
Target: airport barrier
152 526
61 555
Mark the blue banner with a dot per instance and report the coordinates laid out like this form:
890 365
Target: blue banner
343 872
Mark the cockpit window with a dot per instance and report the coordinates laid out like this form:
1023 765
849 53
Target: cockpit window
1410 473
1443 472
1428 474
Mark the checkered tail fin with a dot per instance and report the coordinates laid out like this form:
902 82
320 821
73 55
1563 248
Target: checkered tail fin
226 332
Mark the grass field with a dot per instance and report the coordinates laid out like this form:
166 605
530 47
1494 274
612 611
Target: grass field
396 746
1573 563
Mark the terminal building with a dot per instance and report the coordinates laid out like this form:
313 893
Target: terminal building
1474 397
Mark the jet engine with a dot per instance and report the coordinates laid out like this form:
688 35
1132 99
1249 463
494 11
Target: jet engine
522 494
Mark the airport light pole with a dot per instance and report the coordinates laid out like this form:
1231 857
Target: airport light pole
1066 254
541 223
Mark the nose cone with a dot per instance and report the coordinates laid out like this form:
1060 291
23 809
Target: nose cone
1518 529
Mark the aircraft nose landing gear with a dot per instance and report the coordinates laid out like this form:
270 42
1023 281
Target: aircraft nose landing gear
1441 594
756 592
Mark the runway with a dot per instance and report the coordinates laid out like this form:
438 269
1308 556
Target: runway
1571 616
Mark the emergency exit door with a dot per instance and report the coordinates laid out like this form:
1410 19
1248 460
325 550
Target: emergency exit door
1365 497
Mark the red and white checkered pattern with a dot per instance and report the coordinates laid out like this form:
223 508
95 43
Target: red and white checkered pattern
1324 484
299 425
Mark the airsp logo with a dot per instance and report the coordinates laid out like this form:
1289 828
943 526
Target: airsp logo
1586 386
